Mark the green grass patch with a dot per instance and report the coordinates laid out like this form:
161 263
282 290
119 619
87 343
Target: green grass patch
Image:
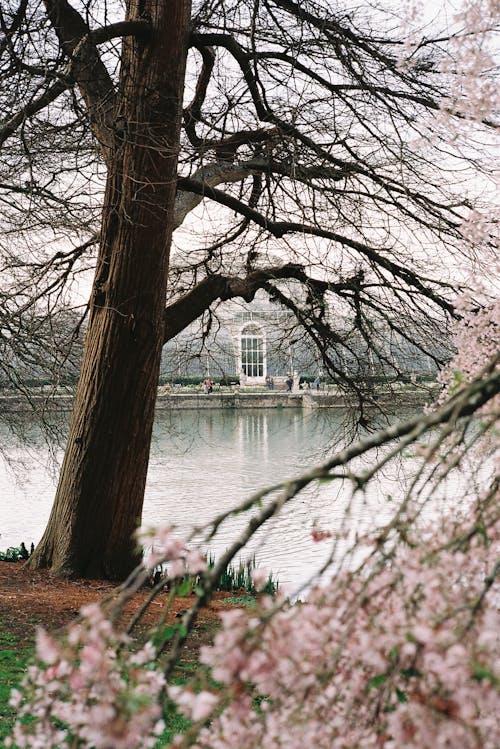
13 662
243 600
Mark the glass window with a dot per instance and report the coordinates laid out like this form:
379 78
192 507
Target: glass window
252 351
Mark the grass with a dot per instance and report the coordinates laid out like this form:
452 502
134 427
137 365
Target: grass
13 662
242 600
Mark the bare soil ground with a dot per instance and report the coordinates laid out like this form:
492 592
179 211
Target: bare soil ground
31 598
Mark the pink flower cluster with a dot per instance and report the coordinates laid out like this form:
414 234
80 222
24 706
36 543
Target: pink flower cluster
477 340
85 692
402 655
166 547
195 705
476 94
469 62
479 229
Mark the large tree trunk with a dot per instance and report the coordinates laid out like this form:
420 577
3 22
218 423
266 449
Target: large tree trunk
101 488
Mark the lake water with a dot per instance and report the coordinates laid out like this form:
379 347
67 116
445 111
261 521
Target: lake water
205 462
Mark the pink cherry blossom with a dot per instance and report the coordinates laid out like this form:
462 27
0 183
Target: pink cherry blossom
166 547
85 681
46 647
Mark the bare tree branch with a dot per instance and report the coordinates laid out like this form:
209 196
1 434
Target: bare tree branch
86 67
279 229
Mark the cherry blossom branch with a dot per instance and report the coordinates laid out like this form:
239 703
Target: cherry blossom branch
463 404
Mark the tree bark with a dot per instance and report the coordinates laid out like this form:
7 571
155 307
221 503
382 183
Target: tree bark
101 488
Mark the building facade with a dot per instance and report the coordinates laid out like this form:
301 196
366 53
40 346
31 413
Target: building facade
248 343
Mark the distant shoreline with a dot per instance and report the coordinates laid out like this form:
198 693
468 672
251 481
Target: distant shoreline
404 395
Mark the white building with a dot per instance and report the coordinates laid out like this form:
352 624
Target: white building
248 342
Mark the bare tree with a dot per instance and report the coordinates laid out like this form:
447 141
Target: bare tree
302 144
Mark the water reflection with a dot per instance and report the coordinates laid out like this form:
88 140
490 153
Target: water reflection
203 463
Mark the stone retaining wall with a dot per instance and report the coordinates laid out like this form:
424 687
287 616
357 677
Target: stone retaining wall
233 400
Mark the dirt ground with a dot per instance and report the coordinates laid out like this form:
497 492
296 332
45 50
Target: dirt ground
29 598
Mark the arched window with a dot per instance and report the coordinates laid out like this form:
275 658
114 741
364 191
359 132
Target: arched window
252 351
